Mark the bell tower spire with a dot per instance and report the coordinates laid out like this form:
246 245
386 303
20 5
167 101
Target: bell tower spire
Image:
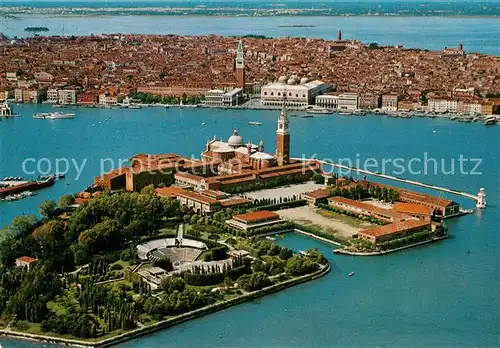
240 66
283 136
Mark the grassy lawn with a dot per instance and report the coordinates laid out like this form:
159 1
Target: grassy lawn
345 219
169 230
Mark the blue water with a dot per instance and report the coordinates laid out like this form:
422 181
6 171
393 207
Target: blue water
478 34
436 295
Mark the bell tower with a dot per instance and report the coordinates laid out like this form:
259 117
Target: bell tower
240 66
283 138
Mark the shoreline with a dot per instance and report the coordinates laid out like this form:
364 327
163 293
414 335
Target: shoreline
384 252
335 113
284 15
164 324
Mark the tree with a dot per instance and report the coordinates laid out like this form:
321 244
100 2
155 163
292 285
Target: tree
318 178
297 266
66 201
173 283
148 190
79 254
285 253
22 225
254 281
164 263
48 209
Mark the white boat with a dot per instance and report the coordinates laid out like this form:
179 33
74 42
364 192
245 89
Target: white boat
490 120
53 116
320 111
270 238
255 123
351 274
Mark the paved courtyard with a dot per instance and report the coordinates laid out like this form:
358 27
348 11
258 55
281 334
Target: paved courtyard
285 191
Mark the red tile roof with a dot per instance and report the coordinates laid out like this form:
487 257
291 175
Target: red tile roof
26 259
256 216
412 208
395 227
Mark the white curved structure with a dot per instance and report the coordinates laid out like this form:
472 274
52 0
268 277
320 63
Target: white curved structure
166 247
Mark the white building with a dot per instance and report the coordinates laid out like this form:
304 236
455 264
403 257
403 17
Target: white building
390 102
52 95
348 101
327 101
107 100
34 95
345 101
442 105
67 96
298 92
219 97
18 95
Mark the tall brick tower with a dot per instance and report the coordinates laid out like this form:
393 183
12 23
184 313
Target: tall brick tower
283 138
240 66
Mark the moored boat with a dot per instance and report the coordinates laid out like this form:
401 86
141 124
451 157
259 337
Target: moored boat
53 116
255 123
490 121
320 111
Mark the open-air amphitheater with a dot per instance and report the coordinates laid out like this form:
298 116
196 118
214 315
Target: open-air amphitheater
178 250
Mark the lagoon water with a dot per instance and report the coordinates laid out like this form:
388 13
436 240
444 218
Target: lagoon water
478 34
435 295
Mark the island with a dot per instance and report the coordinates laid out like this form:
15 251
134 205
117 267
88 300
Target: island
36 29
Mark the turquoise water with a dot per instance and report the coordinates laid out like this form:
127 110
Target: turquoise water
478 34
436 295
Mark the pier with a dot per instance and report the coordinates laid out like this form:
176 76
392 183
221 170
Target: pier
395 178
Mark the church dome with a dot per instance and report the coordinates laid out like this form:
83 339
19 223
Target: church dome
291 81
304 80
235 140
282 79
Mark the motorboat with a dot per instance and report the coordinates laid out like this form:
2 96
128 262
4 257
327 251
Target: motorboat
490 121
53 116
255 123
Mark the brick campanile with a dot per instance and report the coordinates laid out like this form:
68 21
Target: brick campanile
283 138
240 66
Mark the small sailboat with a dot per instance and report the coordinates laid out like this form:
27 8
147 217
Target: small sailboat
203 123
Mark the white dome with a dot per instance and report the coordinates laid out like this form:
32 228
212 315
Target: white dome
304 80
282 79
235 140
291 81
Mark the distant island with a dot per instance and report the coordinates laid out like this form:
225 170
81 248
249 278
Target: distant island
296 26
36 29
